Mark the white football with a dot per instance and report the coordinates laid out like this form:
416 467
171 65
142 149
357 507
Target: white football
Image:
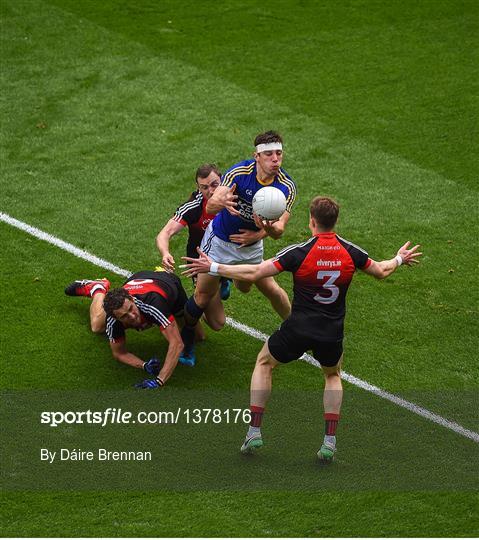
269 203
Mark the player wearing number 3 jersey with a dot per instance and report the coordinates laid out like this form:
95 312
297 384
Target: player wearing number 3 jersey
322 269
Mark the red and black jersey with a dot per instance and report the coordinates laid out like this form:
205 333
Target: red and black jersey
193 214
322 268
158 296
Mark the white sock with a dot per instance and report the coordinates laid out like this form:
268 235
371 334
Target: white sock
330 440
97 287
253 431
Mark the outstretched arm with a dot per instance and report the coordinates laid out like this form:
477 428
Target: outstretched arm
383 269
243 272
163 243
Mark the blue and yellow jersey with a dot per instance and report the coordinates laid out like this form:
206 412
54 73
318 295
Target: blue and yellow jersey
243 174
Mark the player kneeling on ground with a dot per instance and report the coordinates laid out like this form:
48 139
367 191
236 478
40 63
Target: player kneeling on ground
322 269
146 299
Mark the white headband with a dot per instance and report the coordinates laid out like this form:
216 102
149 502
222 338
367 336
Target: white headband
269 146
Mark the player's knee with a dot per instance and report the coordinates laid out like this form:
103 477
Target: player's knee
333 371
216 324
219 320
202 299
266 364
265 360
215 320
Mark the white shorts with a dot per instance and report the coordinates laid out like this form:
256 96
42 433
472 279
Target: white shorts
229 253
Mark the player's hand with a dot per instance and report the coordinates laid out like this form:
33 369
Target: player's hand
409 256
246 237
201 265
230 201
168 262
150 383
266 225
153 366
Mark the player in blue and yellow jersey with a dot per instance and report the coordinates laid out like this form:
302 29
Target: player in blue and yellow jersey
235 235
244 177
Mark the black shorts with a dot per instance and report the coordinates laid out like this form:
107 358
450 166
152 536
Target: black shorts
172 286
288 343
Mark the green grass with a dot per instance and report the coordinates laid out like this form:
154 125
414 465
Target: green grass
381 72
108 108
253 514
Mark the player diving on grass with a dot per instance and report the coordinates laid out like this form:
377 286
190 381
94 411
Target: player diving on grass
146 299
322 267
193 214
235 235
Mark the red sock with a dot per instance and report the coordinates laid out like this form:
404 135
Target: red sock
332 420
256 416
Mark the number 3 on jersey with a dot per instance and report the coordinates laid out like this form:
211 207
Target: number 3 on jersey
328 285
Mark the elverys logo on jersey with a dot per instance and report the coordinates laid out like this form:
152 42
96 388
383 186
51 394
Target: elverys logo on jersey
245 208
328 263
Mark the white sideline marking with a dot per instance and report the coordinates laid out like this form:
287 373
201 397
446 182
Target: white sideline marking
82 254
397 400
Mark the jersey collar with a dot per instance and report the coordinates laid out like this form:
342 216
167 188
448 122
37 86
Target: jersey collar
326 234
262 182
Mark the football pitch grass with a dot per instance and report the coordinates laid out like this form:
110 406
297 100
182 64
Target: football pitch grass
107 110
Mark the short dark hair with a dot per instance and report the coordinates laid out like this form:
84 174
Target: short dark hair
114 300
206 169
325 212
268 137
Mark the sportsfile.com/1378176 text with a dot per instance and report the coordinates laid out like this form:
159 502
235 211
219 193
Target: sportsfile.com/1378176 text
113 415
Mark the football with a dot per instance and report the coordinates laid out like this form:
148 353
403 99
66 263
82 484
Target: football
269 203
